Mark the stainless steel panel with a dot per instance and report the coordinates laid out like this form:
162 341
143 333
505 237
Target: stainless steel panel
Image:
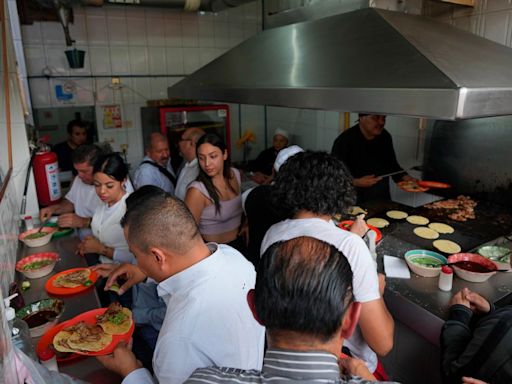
364 61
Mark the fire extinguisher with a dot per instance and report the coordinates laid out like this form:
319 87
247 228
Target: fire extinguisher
46 175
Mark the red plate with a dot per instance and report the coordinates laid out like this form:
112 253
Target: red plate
90 318
411 186
61 291
433 184
345 225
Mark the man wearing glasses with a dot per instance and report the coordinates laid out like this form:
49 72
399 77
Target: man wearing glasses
367 150
189 169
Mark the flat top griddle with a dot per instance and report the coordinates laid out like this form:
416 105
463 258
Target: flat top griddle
491 222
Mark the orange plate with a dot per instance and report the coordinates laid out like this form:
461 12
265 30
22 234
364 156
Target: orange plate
90 318
432 184
410 186
345 225
61 291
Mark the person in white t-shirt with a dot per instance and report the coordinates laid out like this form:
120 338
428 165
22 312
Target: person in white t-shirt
314 186
77 208
190 168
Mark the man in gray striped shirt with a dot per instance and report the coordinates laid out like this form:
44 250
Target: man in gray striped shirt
303 296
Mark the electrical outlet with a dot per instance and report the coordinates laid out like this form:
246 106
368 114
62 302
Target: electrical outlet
124 147
115 81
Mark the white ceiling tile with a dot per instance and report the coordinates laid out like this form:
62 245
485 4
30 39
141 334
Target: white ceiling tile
206 33
53 33
78 29
100 60
96 29
157 62
189 33
56 60
174 59
120 60
158 88
40 93
173 33
35 59
136 31
155 30
31 34
117 31
221 34
191 60
139 60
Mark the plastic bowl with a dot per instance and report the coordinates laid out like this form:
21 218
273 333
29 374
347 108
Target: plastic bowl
40 241
499 255
423 270
473 277
54 305
38 272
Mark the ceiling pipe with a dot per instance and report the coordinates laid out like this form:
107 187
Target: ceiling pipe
185 5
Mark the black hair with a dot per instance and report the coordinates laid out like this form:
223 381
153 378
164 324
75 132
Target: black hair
112 165
216 141
313 181
87 153
158 219
303 285
75 123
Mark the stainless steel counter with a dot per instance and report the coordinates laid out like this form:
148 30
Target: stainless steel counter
88 368
420 304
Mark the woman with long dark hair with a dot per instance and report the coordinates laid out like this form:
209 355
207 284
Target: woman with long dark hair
110 175
214 198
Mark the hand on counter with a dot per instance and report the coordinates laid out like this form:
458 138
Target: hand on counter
129 273
478 304
72 220
90 244
122 361
367 181
355 367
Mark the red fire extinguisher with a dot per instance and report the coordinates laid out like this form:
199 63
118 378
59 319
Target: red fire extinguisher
46 175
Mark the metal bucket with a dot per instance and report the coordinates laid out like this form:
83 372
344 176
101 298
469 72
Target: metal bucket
75 58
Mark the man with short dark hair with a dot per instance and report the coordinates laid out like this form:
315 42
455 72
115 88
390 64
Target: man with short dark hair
190 168
367 150
77 135
77 208
204 286
303 296
155 168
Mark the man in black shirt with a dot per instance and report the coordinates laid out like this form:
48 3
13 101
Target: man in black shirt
367 150
77 135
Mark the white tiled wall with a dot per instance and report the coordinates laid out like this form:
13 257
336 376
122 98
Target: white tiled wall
149 48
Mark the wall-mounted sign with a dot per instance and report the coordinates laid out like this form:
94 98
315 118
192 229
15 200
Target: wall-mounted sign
112 117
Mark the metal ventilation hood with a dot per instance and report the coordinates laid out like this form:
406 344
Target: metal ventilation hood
369 60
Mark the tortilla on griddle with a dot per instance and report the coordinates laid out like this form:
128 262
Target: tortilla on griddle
72 279
116 320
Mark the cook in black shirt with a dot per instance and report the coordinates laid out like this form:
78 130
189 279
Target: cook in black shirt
367 150
77 135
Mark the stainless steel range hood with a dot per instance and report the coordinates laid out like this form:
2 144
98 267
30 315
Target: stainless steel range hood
369 60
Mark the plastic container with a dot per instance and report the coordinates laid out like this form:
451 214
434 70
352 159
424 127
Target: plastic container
48 358
446 278
20 334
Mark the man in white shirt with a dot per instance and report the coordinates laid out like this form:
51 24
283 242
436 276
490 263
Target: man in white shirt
190 169
155 168
77 208
208 321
